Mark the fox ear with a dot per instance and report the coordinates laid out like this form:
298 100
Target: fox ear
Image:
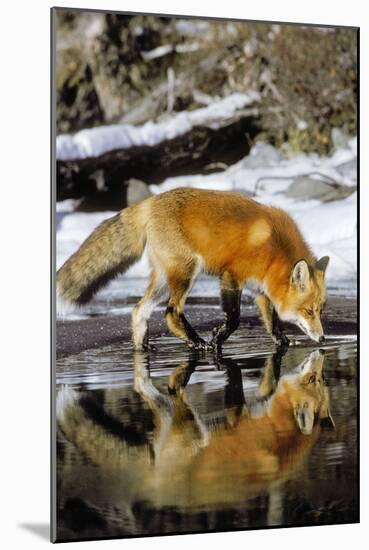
300 274
327 422
322 264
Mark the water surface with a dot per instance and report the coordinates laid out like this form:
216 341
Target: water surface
136 458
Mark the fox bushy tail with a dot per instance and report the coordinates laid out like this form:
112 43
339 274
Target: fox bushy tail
111 249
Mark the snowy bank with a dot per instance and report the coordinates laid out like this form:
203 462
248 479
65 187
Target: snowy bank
265 170
97 141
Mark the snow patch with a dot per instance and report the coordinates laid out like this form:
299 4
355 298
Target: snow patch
97 141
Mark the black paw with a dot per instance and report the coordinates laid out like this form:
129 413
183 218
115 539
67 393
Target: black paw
218 330
282 341
199 345
215 345
149 347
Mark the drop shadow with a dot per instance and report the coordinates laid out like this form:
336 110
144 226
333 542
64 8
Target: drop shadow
42 530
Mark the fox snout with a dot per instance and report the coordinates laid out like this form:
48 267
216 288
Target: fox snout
313 329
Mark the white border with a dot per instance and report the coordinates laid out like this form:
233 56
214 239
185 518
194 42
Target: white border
25 196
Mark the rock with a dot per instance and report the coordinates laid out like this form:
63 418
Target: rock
262 155
348 169
340 140
112 197
307 188
137 191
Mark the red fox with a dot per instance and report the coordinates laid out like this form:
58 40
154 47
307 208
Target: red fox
223 233
193 461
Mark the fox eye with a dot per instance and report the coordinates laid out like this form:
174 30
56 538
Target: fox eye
312 379
309 312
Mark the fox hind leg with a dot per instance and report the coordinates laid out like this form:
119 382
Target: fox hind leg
155 293
231 303
271 320
180 284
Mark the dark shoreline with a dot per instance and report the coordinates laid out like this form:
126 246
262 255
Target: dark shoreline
72 337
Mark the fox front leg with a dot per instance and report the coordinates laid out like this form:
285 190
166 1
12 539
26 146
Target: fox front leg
231 303
271 373
271 320
234 399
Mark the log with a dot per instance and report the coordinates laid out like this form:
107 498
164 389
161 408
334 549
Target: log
105 177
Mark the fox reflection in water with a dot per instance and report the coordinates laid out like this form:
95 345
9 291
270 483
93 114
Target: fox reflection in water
195 464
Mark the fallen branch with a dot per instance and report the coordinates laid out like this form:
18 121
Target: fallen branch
190 153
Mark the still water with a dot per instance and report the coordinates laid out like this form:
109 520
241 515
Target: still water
174 442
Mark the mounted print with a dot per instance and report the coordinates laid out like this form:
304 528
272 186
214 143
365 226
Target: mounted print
204 367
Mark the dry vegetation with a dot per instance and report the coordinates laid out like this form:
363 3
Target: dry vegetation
307 76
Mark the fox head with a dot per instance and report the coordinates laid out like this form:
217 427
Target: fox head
308 393
305 297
